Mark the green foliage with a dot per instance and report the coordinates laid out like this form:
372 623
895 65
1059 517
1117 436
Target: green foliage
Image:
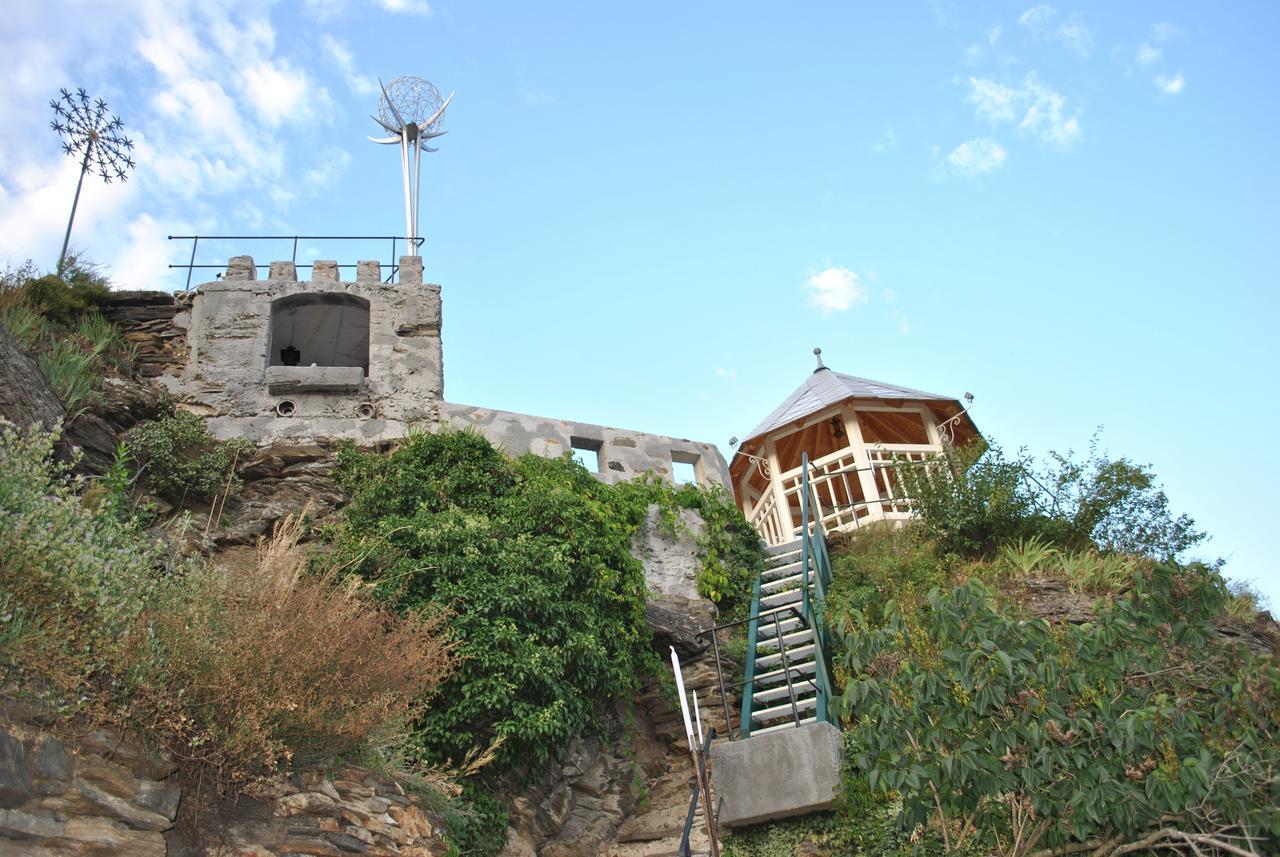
182 461
475 823
238 672
63 299
533 561
729 547
1245 601
1042 736
879 565
974 499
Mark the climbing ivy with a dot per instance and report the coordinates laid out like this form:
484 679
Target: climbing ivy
533 558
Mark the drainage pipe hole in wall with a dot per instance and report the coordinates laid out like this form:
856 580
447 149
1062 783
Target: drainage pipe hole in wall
285 408
366 411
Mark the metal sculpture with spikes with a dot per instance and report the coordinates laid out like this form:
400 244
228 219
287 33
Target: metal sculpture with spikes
89 132
412 112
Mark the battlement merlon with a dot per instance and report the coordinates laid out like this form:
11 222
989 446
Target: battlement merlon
243 268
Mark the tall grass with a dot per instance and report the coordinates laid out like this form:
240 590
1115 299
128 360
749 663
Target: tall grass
239 673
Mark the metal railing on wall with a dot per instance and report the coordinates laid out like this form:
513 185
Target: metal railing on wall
393 264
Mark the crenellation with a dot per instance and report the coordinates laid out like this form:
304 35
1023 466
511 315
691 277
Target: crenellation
325 271
287 271
368 271
241 268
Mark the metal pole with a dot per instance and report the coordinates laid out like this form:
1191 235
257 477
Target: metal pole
404 169
708 812
191 266
294 258
724 697
84 167
417 188
786 670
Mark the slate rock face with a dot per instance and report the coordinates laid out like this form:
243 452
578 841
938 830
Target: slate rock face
15 776
26 399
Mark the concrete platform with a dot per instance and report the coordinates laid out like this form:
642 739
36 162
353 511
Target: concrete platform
777 775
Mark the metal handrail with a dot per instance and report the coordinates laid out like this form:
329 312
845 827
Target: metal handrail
693 799
195 240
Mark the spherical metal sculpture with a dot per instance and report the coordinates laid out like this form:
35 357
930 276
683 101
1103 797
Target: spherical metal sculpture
412 112
413 100
88 131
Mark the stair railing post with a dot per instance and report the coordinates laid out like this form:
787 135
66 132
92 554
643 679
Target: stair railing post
804 536
786 670
749 669
724 695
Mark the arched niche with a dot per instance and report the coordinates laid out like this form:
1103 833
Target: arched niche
320 329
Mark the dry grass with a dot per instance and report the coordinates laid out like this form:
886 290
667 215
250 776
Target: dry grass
277 666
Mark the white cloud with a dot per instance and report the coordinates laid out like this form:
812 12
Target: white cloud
342 57
1034 109
411 7
328 171
730 374
1147 54
888 142
534 97
993 35
202 88
994 101
1042 22
1165 31
1171 85
977 157
835 290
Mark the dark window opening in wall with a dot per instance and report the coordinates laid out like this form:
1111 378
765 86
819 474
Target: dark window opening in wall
587 453
684 467
320 329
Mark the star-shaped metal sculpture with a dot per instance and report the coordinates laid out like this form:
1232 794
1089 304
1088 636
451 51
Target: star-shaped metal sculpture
412 112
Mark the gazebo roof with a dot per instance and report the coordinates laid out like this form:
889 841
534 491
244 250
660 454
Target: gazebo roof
824 388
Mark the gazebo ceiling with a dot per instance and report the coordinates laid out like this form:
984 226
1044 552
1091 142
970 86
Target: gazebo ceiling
824 388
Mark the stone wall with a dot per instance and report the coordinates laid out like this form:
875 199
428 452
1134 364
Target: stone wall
230 377
103 794
622 454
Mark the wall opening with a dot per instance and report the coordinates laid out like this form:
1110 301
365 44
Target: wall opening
586 452
684 467
321 329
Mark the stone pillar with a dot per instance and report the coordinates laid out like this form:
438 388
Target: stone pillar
411 269
241 268
368 272
325 271
287 271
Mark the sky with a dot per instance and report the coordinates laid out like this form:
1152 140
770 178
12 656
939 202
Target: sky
648 215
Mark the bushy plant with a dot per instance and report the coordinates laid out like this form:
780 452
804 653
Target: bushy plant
535 564
181 461
82 287
881 564
270 666
235 672
1140 730
974 499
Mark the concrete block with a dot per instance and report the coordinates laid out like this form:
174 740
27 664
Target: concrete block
325 271
283 271
777 775
411 269
282 380
368 272
241 268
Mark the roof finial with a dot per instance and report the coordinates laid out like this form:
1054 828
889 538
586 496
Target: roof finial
817 352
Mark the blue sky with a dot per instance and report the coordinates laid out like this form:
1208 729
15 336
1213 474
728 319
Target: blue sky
647 216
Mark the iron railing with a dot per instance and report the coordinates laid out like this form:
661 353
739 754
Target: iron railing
393 264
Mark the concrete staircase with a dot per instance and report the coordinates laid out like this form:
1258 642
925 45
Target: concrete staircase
779 610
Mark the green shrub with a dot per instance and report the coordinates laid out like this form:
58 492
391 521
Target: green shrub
182 461
975 499
64 298
879 565
991 724
534 562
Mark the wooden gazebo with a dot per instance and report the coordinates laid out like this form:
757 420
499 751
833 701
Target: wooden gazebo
857 433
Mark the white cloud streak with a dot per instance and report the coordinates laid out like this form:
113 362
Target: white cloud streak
1171 85
836 290
1046 23
977 157
1035 109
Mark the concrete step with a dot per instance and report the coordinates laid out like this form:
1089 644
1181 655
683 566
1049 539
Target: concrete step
794 655
783 709
803 686
785 569
777 599
781 726
799 672
779 584
788 547
769 642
